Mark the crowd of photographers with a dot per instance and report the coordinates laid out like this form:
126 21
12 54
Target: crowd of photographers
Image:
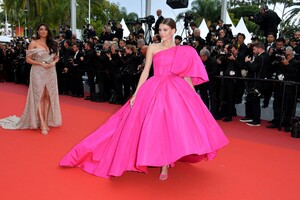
112 65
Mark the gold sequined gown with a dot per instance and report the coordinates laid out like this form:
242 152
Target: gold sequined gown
40 78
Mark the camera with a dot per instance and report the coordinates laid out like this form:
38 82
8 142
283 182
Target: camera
148 20
254 17
187 18
279 54
279 57
254 37
226 26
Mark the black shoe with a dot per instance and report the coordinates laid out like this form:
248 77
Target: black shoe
246 119
287 129
227 119
272 126
98 100
271 122
87 98
253 123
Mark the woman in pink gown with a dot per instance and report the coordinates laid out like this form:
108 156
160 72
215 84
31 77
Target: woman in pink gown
164 121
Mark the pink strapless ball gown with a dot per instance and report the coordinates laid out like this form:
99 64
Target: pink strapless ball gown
168 122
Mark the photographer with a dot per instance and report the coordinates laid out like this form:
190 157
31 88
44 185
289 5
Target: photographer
66 70
19 64
187 25
286 71
198 42
267 20
231 67
276 55
119 31
9 57
130 74
76 65
208 91
258 69
226 27
158 21
211 36
241 54
88 61
224 36
138 29
102 73
218 49
114 68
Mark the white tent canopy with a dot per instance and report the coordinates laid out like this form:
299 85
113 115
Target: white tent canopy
126 31
241 28
203 29
4 38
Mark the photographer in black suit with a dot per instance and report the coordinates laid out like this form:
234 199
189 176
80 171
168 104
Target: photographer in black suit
267 20
287 69
130 72
88 62
258 69
158 21
114 68
209 88
76 65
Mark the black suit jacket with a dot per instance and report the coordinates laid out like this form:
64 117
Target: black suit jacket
77 63
158 21
89 60
259 69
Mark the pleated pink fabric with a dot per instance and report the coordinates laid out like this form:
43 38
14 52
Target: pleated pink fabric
168 122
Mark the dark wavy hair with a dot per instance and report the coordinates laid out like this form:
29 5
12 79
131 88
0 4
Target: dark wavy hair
52 45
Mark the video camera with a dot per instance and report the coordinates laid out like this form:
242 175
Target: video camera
147 20
187 18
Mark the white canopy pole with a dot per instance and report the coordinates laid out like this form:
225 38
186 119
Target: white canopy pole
73 16
223 10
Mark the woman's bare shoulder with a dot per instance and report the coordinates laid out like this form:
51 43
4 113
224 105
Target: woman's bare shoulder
154 48
33 44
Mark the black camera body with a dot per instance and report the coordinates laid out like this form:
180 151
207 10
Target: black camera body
279 54
227 26
255 92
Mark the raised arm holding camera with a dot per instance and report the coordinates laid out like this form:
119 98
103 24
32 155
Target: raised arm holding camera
267 19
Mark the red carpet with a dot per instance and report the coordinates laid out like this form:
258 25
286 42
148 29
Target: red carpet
259 163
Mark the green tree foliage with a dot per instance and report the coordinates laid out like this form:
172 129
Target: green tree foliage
245 11
204 9
56 13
